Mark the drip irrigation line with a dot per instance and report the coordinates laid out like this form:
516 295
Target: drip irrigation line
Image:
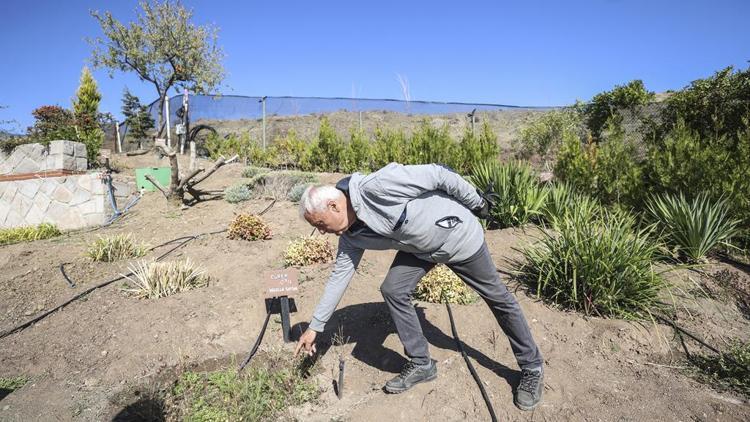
257 343
468 363
681 331
184 241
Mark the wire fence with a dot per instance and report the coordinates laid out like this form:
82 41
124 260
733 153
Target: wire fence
267 118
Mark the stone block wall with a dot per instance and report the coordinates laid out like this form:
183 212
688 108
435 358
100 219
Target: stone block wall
65 156
70 202
48 185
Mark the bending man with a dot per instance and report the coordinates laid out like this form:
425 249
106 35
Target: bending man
429 214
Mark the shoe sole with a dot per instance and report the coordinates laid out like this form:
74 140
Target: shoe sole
399 391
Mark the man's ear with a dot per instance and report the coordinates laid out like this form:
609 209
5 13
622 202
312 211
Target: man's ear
332 205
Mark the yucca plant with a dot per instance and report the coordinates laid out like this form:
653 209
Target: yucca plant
520 197
441 285
596 262
158 279
692 228
25 234
113 248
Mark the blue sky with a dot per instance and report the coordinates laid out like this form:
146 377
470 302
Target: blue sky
521 53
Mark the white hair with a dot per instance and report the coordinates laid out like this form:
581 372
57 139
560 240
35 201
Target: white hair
315 199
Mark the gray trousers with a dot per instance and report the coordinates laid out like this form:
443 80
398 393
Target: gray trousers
479 273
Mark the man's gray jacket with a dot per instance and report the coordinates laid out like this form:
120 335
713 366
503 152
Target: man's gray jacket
421 209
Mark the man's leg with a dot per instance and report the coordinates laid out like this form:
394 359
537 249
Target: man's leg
402 279
480 273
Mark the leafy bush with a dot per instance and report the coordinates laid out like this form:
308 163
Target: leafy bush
389 147
473 150
230 145
520 196
544 136
609 170
258 393
441 285
606 108
289 150
86 111
295 193
595 262
116 247
52 123
25 234
10 384
159 279
249 227
722 373
357 153
307 251
430 144
237 193
692 228
325 152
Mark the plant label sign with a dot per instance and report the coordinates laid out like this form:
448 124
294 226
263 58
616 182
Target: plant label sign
281 283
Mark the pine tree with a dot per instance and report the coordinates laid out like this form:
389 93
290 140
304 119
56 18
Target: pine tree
137 117
86 110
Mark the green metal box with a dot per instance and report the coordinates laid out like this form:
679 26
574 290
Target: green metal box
160 174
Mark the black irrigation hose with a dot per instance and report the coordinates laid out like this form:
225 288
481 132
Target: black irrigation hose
701 342
257 343
184 239
340 385
468 363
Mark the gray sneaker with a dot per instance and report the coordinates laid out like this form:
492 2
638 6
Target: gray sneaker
529 391
411 374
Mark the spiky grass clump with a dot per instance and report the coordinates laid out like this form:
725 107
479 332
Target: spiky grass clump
308 251
249 227
278 184
520 197
561 199
158 279
11 384
596 261
728 371
251 171
295 193
237 193
260 392
25 234
113 248
441 285
694 227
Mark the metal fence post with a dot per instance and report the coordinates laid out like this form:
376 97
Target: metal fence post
263 102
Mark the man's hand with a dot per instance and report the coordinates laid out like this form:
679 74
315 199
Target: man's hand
483 210
306 342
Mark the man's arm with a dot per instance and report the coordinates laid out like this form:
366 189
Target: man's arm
347 261
414 180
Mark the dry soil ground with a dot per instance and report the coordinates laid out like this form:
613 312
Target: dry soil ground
103 354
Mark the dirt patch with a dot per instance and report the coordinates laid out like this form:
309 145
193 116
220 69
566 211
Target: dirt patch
83 361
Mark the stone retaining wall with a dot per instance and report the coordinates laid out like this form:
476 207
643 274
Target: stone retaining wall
47 185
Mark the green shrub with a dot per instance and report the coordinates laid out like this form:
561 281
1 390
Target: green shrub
544 136
295 193
252 171
595 262
325 152
432 145
237 193
290 150
389 147
231 145
441 285
25 234
116 247
473 149
249 227
609 170
520 196
694 227
278 184
257 393
159 279
52 123
722 373
307 251
357 153
606 108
